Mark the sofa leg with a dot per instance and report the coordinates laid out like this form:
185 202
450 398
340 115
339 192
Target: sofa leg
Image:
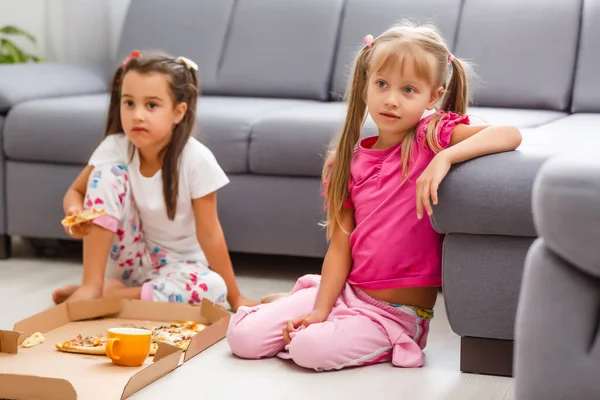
5 247
486 356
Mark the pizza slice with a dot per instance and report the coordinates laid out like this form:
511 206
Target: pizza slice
33 340
178 334
93 345
84 216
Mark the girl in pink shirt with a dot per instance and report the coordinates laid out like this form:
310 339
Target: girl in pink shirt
374 299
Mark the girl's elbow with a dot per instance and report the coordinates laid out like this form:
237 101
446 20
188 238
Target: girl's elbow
514 138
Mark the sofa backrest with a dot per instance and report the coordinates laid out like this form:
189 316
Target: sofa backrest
195 29
524 51
280 48
586 94
372 17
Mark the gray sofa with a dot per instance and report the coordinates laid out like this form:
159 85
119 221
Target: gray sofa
557 342
273 72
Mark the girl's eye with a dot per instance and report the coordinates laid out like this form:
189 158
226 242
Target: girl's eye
409 90
128 103
381 84
152 105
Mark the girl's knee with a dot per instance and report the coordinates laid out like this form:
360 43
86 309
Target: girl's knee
188 287
313 348
245 334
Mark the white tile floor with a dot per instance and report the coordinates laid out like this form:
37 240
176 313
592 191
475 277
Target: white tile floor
27 282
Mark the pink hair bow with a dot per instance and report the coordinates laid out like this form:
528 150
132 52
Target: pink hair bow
369 40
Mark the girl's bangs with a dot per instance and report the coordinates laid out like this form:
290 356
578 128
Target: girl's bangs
398 55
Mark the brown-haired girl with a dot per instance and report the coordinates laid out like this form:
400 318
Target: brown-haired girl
158 185
373 301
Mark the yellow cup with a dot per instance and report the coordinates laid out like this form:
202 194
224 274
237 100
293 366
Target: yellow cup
128 347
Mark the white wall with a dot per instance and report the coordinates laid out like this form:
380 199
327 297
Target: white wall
68 30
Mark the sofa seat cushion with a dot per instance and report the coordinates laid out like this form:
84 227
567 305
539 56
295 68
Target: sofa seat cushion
67 130
61 130
225 125
521 118
493 194
566 202
294 141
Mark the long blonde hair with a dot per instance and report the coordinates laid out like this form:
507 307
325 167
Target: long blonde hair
426 49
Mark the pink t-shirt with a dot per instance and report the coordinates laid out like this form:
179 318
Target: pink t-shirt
391 247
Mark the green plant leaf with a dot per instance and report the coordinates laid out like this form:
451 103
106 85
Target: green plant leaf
5 59
13 51
13 30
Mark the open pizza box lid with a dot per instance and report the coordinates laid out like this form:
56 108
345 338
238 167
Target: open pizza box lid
43 372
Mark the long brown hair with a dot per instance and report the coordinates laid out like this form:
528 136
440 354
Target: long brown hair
184 87
426 49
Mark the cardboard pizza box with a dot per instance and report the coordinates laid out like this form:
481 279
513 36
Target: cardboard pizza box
42 372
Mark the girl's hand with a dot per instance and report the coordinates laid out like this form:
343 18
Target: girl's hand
304 320
429 181
241 301
77 231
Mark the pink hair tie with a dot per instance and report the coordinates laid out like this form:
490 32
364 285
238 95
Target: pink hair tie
369 40
134 54
450 58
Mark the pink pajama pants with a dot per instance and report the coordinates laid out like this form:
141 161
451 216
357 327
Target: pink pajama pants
360 330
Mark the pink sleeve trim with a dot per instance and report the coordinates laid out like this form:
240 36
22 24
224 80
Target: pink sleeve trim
107 222
147 291
447 123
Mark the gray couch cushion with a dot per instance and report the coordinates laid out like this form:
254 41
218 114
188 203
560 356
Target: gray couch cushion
492 194
66 130
375 16
566 208
520 118
192 28
293 141
62 130
225 124
524 50
280 48
492 267
557 341
22 82
586 97
583 130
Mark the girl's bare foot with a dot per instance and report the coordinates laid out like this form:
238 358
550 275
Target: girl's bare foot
62 294
272 297
84 292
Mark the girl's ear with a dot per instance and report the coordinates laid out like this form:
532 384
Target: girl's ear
435 97
180 111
